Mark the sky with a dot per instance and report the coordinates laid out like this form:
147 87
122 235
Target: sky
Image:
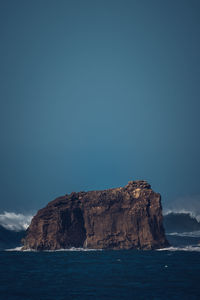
94 94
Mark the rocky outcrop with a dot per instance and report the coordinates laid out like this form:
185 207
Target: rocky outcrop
128 217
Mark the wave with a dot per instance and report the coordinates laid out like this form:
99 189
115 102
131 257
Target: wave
195 234
15 222
190 248
191 213
10 238
181 221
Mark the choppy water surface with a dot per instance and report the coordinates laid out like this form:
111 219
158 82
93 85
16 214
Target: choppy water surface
100 275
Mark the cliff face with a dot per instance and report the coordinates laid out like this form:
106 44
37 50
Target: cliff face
119 218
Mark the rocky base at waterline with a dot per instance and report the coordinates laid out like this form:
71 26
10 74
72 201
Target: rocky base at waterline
127 217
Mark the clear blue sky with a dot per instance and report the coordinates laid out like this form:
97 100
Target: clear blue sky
96 93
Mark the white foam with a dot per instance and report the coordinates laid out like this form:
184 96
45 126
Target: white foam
59 250
186 234
190 248
20 249
14 249
73 249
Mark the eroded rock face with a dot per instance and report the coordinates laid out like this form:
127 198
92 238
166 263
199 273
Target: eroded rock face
118 218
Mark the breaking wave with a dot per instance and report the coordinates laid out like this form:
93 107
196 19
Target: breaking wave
181 221
192 214
14 221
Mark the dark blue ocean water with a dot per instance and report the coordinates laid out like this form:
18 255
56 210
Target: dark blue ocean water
99 275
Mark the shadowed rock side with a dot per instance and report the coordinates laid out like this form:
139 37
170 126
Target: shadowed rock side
119 218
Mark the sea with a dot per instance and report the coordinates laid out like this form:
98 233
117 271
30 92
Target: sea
170 273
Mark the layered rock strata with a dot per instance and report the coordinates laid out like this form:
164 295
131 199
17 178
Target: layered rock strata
127 217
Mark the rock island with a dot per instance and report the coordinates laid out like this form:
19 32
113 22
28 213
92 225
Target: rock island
127 217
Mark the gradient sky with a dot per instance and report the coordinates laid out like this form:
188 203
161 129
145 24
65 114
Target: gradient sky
96 93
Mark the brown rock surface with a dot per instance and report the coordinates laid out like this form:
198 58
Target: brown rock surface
118 218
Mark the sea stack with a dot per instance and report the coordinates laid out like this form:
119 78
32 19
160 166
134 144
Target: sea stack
127 217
